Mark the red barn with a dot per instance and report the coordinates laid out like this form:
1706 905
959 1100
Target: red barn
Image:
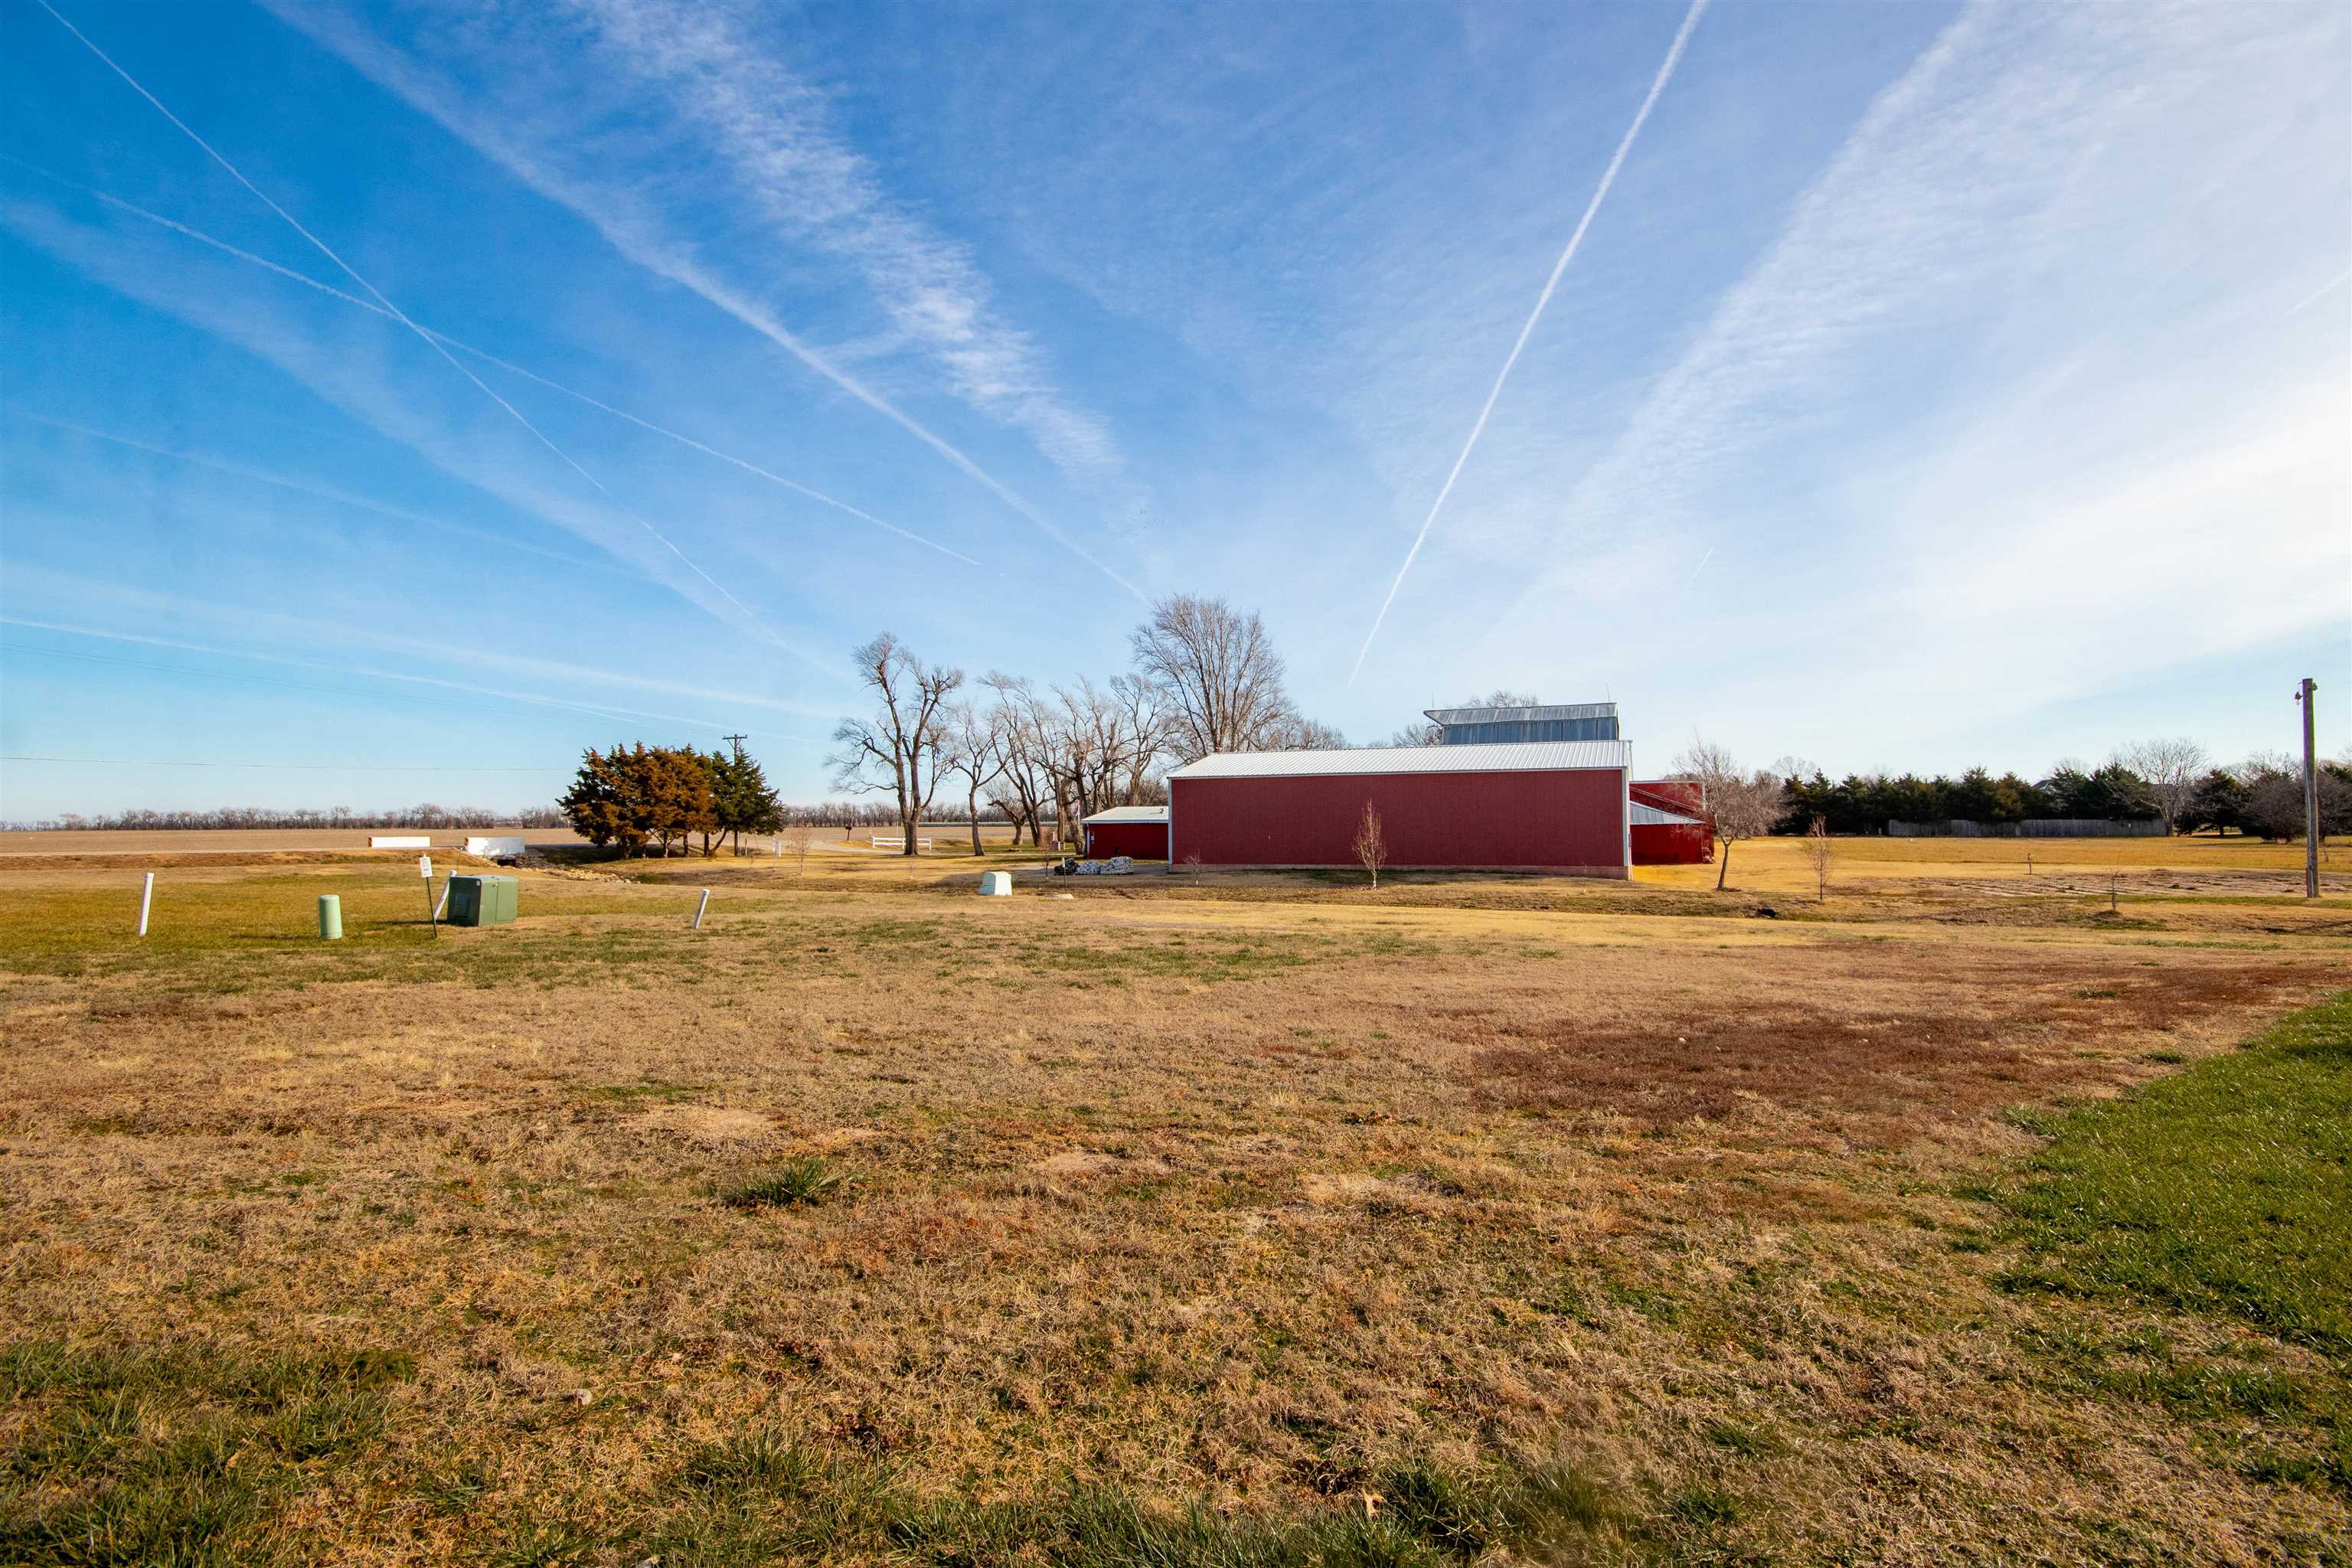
1515 806
1137 832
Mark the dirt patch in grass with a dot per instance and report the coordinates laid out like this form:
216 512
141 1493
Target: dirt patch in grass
1958 1042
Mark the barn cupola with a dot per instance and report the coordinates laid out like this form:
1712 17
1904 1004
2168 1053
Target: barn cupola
1552 722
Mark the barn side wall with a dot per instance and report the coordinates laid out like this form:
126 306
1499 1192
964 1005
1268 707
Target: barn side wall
1138 840
1569 820
1673 844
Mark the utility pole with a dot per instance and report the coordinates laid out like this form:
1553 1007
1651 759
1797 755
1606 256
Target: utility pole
735 741
2310 790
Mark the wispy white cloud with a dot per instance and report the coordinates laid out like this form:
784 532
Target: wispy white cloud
2026 145
689 127
358 374
317 491
288 273
395 311
2011 410
31 586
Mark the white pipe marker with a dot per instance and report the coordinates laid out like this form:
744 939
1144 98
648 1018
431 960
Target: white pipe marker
700 907
146 898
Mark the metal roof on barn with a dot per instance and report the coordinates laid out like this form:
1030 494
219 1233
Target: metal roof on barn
1502 757
1128 814
1644 815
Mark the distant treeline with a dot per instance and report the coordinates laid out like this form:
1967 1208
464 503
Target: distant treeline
821 814
2263 797
415 816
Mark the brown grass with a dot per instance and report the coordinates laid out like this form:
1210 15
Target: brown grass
1237 1201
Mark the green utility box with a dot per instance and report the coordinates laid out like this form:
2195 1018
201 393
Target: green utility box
483 901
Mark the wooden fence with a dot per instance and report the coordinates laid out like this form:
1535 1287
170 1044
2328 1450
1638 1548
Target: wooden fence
2040 828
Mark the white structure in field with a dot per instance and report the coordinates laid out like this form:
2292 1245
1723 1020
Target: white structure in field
400 841
996 884
495 849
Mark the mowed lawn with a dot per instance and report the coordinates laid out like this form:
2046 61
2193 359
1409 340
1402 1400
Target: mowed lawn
878 1223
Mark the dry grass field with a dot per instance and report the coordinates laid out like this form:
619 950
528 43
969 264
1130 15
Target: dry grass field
1246 1219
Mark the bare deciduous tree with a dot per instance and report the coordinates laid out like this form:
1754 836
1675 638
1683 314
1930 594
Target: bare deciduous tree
1821 850
1371 849
1222 680
969 752
2173 768
1023 786
898 749
1428 734
1739 803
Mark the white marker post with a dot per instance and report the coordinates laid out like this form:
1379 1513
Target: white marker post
146 898
432 913
700 907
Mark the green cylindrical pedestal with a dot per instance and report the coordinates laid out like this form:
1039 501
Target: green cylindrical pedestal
330 917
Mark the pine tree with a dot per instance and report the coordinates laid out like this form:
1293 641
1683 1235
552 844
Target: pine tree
742 797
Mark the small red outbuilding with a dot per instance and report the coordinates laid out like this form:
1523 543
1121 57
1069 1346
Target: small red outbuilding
1137 832
1671 826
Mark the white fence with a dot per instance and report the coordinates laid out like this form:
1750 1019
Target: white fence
899 842
2042 827
495 849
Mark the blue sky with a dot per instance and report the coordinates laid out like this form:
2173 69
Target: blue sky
1930 386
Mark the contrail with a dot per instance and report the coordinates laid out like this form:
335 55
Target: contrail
2317 295
595 709
1700 568
321 493
395 311
1608 178
201 237
394 78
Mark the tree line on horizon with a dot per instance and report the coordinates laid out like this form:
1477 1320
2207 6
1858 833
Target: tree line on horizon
2261 797
1204 678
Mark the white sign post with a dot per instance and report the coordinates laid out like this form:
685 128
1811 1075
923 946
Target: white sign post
146 897
700 907
432 914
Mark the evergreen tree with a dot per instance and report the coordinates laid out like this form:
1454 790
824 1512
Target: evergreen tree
641 795
742 797
2219 802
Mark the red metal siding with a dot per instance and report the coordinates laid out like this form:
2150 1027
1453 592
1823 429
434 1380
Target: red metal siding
1137 840
1673 844
1569 820
1685 796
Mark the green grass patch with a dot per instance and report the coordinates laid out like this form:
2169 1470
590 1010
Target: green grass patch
2225 1190
805 1181
758 1498
2173 1221
186 1456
